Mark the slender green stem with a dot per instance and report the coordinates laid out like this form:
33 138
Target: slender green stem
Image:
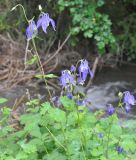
82 135
55 138
46 150
41 69
65 139
20 5
108 138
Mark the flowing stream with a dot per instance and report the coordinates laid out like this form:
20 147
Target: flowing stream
107 83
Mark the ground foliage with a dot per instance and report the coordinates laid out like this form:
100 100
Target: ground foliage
69 133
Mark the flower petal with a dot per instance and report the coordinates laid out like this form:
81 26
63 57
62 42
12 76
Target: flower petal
129 98
53 24
39 23
31 30
127 108
110 110
72 68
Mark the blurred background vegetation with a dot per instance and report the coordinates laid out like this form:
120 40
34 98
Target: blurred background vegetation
97 26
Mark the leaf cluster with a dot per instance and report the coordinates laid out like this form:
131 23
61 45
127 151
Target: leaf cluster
67 133
88 20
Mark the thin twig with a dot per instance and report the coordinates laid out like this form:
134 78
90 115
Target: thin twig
94 71
58 50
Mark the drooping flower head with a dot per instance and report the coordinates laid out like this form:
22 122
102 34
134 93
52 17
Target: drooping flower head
31 30
83 102
56 101
73 69
66 79
44 21
127 108
100 135
110 110
84 70
119 150
80 102
70 95
129 98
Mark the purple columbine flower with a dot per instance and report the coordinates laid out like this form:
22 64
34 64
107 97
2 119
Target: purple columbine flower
83 102
66 79
127 108
119 150
84 70
80 102
100 135
110 110
44 22
129 98
69 95
73 69
56 101
31 30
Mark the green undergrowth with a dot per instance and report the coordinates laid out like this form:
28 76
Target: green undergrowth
70 132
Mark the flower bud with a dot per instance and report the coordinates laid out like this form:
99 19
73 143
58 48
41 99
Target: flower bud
40 7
